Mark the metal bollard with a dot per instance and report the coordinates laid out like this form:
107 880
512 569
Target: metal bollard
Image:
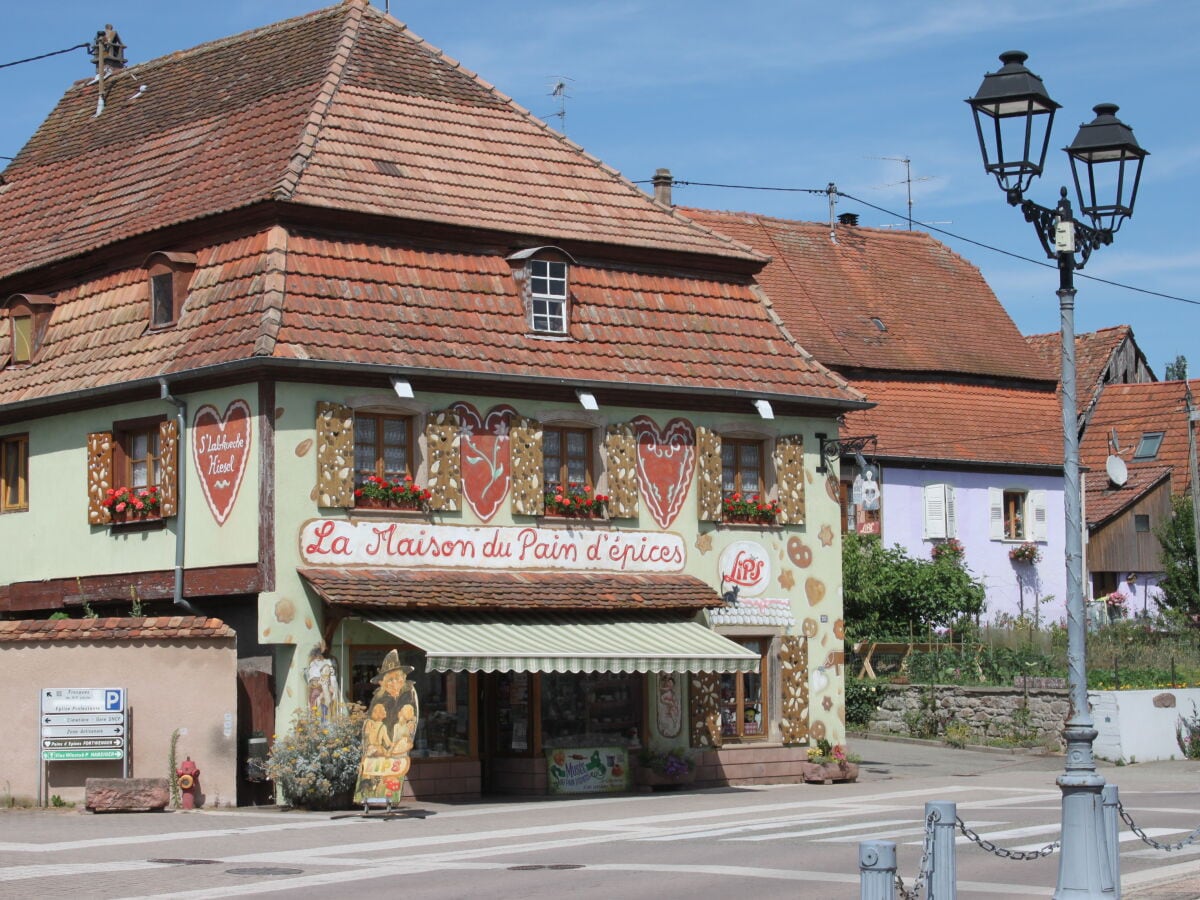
877 870
943 874
1110 799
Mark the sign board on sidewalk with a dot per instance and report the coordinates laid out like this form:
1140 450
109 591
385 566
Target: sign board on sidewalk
83 723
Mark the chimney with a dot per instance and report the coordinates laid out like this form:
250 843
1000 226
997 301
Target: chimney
848 218
108 52
662 182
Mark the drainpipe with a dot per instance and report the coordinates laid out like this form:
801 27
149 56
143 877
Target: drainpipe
180 481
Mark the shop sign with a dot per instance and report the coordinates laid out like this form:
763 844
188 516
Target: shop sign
334 542
220 447
745 565
587 770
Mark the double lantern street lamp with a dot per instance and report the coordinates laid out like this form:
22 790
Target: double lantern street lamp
1013 115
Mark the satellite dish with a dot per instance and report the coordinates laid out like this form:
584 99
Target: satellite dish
1117 473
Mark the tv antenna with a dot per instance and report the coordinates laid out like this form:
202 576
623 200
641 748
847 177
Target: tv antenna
907 182
558 89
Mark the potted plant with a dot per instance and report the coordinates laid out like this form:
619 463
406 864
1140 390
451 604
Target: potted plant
829 762
315 765
131 503
1028 552
576 500
381 493
658 768
738 507
951 550
1116 604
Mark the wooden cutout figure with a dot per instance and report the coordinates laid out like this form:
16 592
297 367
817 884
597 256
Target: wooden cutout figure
388 734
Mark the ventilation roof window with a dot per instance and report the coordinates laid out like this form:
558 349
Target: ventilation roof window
1147 447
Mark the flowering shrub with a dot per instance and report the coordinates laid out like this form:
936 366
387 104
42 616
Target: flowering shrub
316 764
1187 734
673 763
132 501
576 499
825 753
403 493
950 549
739 508
1027 552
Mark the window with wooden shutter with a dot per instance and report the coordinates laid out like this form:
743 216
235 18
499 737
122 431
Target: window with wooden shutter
788 460
168 485
14 472
709 475
335 455
1037 515
525 449
620 469
99 475
444 457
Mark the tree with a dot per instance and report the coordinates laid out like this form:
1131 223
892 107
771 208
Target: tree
1176 371
887 593
1177 537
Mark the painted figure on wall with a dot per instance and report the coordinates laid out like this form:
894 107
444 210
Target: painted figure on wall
388 734
323 691
670 713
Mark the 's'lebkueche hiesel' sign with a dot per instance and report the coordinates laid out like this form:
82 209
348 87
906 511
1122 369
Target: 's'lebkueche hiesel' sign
333 542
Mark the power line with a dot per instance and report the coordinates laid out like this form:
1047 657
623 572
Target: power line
930 227
45 55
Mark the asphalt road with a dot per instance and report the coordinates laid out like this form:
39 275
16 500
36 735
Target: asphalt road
774 841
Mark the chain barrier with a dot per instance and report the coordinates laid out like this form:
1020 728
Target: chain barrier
1178 845
1004 852
926 859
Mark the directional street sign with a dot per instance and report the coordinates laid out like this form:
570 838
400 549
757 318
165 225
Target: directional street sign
83 700
83 719
82 754
80 743
69 731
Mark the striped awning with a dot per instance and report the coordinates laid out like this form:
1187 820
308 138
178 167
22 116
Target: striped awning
457 642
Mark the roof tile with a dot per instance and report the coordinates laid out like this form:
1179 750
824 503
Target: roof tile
114 629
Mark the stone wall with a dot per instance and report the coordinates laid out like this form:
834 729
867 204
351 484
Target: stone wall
989 712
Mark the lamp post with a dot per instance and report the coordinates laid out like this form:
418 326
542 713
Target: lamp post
1013 116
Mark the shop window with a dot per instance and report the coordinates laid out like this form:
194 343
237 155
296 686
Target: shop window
445 700
588 709
14 473
744 713
383 447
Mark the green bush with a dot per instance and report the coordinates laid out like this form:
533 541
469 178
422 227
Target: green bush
958 735
863 697
315 765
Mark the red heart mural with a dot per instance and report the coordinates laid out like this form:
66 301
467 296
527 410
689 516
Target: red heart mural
486 469
666 461
220 447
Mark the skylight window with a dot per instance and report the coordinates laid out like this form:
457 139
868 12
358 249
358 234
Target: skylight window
1147 447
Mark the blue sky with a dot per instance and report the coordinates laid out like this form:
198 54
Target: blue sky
794 95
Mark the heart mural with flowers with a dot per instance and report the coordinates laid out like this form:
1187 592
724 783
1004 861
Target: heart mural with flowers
666 462
220 448
484 457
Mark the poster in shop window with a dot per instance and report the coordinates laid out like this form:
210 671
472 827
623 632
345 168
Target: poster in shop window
587 770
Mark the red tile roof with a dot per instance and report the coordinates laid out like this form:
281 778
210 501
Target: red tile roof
939 314
1132 410
161 628
416 589
955 422
1103 500
303 297
342 108
1093 351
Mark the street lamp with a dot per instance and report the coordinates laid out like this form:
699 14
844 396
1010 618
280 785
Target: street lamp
1013 115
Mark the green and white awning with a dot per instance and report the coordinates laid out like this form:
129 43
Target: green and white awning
561 642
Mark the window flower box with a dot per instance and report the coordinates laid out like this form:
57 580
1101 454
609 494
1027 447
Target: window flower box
664 768
739 508
126 504
1028 552
380 493
576 500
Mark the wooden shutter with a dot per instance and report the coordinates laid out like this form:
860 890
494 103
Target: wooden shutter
708 472
335 455
793 659
620 470
525 449
1036 513
445 463
935 511
168 482
704 704
995 514
99 475
789 479
951 519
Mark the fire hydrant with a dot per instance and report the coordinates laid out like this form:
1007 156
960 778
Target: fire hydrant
189 783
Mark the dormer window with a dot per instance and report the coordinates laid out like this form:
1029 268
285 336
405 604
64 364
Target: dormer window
28 319
543 274
548 287
169 273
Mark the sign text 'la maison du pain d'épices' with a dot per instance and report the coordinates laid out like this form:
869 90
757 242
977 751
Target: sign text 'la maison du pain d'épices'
337 543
